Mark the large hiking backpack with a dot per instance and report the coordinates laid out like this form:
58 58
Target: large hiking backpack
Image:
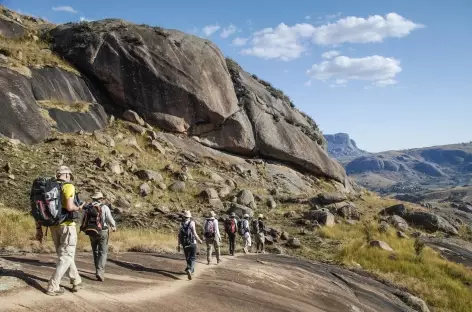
186 234
242 228
209 229
92 221
255 226
230 226
46 204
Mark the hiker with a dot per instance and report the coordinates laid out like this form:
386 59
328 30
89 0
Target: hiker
96 223
258 229
62 223
231 228
188 238
244 232
211 233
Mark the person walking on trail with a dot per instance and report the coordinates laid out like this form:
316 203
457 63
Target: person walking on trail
63 232
245 233
188 238
258 229
97 222
211 233
231 229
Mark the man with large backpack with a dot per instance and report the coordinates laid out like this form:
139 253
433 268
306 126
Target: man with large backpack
231 229
244 231
258 230
188 238
97 221
53 204
211 233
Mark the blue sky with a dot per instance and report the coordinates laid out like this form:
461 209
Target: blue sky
398 73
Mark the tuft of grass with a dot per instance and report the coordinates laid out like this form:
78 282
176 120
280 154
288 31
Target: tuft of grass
77 107
25 52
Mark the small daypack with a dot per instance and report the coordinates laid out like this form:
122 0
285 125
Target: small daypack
255 226
92 222
209 229
230 226
242 228
46 204
186 234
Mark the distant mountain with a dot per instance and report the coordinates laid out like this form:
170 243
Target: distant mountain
342 147
407 170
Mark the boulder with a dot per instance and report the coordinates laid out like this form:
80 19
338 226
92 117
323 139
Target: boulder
162 209
399 210
104 139
115 167
137 129
430 222
162 186
398 222
294 242
209 193
271 203
149 175
348 211
284 236
144 189
133 117
323 217
245 198
224 191
381 245
157 147
177 186
240 210
329 198
169 122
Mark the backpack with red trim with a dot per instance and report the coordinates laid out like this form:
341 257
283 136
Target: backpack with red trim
92 223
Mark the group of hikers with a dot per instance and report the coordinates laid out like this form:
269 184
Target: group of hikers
56 206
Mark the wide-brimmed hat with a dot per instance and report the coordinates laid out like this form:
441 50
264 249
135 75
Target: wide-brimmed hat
64 170
187 214
246 216
97 195
211 214
232 214
261 216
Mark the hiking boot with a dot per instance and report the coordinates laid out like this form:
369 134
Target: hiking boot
56 293
100 278
218 261
245 250
189 275
208 262
76 288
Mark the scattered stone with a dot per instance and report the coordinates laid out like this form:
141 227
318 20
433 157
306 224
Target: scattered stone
157 147
7 168
398 222
104 139
329 198
132 142
230 183
122 203
177 186
380 244
314 225
115 167
284 235
399 210
401 234
132 116
290 214
246 198
11 176
240 210
152 134
149 175
111 121
323 217
162 186
137 129
383 227
348 211
294 242
162 209
271 203
430 222
169 168
209 193
99 162
224 191
144 189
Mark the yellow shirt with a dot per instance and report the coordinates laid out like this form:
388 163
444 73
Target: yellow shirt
68 191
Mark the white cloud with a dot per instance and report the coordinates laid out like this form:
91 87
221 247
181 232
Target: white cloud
378 69
308 17
228 31
290 42
65 8
283 42
239 41
333 16
210 29
83 19
330 54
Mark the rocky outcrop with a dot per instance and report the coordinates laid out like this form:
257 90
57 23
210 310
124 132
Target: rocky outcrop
430 222
341 146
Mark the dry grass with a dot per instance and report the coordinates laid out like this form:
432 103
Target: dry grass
26 52
17 230
76 107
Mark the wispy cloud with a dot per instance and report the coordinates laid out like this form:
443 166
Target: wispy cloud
239 41
65 8
290 42
330 54
228 31
210 29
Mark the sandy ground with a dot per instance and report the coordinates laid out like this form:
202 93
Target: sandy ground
154 282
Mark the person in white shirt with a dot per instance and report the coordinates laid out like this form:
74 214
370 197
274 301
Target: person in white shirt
99 241
211 233
244 231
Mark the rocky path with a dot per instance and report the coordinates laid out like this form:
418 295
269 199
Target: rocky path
153 282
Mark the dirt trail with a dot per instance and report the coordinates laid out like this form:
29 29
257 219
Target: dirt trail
153 282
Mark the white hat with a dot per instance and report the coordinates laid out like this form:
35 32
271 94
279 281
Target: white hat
97 195
261 216
187 214
246 216
64 170
211 214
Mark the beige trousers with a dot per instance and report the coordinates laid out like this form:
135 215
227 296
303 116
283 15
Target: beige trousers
210 244
65 241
